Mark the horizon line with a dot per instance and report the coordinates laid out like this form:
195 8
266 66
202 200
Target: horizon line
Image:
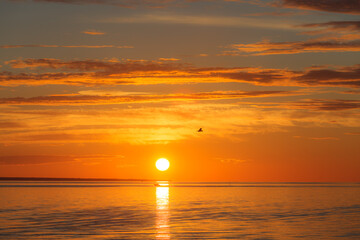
155 180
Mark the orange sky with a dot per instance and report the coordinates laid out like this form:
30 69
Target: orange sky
102 90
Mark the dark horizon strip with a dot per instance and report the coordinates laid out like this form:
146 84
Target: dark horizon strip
100 182
181 186
74 179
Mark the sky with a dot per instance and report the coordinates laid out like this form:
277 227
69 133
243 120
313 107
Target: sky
104 88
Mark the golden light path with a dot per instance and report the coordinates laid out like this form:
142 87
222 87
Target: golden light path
162 211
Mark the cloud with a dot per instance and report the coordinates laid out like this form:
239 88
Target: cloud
324 138
338 6
326 105
231 160
336 36
114 66
168 59
11 124
336 77
93 32
62 46
114 72
351 92
276 14
352 133
330 27
215 21
260 76
33 159
106 99
310 46
322 76
53 159
315 105
168 122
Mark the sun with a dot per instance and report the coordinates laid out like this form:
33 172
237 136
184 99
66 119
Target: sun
162 164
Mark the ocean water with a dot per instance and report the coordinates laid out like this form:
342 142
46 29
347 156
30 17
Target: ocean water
141 210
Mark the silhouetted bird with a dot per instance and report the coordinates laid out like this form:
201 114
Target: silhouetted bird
200 130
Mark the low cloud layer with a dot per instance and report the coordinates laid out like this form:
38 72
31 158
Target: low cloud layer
138 72
98 99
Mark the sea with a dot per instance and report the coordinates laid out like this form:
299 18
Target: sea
178 210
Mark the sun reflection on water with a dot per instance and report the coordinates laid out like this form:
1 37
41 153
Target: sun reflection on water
162 211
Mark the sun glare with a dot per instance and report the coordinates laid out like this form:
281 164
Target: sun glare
162 164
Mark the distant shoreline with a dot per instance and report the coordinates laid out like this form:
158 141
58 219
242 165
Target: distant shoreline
148 180
74 179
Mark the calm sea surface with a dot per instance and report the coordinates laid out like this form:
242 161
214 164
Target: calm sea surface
138 210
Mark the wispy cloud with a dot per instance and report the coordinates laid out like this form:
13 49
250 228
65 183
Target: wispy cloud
62 46
55 159
334 27
326 105
340 76
352 133
277 14
168 59
93 32
339 6
106 99
170 122
324 138
216 21
231 160
352 92
341 36
311 46
110 72
11 125
126 66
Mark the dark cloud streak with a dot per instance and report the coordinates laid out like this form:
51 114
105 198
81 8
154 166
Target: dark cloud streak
338 6
96 99
326 105
96 72
62 46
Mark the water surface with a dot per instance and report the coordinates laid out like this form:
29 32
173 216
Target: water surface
140 210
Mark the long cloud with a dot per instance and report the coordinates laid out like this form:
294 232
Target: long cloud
311 46
340 36
62 46
97 72
96 99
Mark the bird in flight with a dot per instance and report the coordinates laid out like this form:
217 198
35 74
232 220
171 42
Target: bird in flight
200 130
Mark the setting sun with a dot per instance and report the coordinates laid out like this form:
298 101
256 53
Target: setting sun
162 164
